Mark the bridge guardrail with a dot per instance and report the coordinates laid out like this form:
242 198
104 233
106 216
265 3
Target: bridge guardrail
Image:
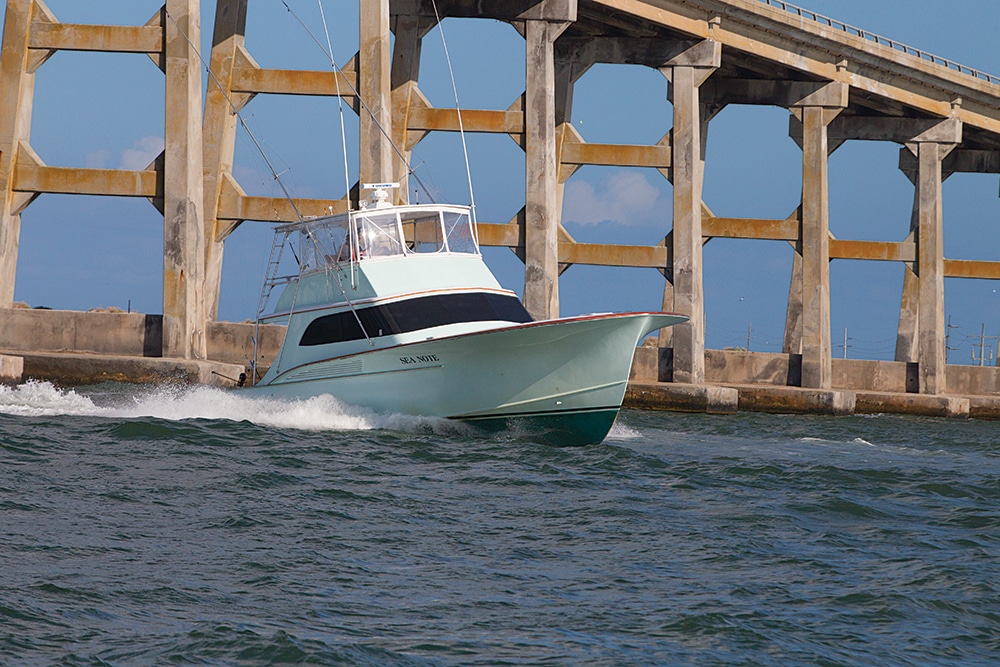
878 39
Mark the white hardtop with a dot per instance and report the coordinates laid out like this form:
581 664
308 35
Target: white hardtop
381 230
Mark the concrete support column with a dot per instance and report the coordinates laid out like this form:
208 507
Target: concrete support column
183 215
921 332
686 73
792 342
817 368
220 137
541 228
909 307
567 73
665 338
375 89
807 323
17 85
930 267
688 287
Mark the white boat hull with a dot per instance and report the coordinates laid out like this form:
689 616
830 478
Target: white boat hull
566 376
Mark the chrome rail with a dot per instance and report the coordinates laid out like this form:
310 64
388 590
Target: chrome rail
878 39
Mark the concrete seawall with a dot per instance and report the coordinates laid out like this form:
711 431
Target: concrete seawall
76 348
762 382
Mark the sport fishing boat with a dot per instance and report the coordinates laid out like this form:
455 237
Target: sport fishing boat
393 308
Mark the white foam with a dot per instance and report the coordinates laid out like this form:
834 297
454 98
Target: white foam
319 413
620 431
41 399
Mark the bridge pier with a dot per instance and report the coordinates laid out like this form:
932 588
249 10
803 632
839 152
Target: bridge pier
921 333
541 214
220 127
32 34
816 111
17 72
909 305
374 62
930 263
686 73
184 314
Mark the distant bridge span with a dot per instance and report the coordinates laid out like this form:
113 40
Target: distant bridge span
838 82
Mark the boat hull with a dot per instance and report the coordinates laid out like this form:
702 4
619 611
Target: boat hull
561 380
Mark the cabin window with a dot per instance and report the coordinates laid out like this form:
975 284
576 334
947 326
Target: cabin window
414 314
423 232
458 231
319 245
378 235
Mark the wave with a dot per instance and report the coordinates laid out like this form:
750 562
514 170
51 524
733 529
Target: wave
620 431
177 403
42 399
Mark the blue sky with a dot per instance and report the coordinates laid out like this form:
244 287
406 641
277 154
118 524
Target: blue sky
105 110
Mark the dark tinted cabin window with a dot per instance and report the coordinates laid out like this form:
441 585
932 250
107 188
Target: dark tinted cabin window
413 315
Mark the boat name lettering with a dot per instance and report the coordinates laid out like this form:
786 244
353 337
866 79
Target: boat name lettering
423 359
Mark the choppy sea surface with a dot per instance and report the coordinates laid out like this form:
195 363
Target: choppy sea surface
169 526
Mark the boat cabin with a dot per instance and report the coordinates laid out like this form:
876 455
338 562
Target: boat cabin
379 233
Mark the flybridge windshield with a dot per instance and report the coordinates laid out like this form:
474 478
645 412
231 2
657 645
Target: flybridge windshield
385 232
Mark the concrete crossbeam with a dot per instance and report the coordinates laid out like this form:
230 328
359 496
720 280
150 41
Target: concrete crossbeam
617 155
104 38
606 254
78 181
888 251
751 228
510 10
971 268
235 205
423 118
775 93
296 82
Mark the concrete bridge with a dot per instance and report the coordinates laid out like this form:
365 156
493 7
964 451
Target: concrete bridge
838 83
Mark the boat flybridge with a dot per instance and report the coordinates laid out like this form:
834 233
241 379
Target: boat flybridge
392 308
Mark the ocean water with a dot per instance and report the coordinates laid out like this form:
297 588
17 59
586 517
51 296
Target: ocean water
180 526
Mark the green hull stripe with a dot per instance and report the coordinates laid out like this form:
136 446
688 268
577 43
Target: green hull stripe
564 428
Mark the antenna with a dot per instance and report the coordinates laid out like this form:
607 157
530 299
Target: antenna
379 197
